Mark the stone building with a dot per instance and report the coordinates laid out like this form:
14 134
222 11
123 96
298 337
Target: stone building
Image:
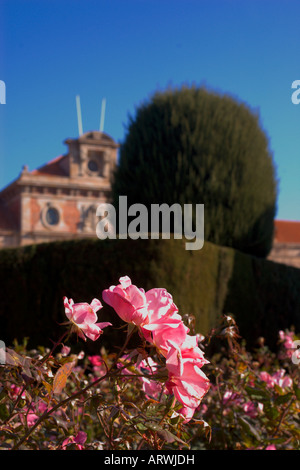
286 245
58 201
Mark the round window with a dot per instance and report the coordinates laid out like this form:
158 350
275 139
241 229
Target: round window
93 165
52 216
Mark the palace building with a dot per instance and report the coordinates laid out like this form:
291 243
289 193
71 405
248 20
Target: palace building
58 201
286 245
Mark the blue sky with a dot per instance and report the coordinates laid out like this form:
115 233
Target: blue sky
124 50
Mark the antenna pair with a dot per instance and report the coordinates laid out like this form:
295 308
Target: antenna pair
79 118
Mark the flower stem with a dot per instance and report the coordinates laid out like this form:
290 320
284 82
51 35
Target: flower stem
76 395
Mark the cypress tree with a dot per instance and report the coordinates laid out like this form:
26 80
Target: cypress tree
191 145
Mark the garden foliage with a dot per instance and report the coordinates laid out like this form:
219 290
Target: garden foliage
165 393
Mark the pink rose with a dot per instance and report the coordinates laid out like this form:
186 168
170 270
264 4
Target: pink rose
65 350
266 377
96 360
186 380
32 415
15 390
159 304
230 398
151 388
250 409
187 413
164 322
83 317
188 351
128 301
279 378
286 339
282 380
170 326
79 441
154 312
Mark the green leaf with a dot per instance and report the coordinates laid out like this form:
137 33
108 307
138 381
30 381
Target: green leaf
283 398
248 427
170 437
257 394
3 412
95 402
141 427
165 434
2 393
206 428
296 390
271 411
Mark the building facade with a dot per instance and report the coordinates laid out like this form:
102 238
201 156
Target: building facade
58 201
286 245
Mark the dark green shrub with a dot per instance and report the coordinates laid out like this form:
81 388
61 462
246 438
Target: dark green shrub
263 296
190 145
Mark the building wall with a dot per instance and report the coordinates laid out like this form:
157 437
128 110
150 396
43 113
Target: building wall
76 216
59 200
286 246
286 253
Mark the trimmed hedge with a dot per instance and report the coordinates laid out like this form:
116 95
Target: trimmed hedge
263 296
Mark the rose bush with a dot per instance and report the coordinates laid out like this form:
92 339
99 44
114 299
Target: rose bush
254 398
166 393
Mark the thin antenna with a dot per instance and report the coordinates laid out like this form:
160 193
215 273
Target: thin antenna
102 114
79 115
